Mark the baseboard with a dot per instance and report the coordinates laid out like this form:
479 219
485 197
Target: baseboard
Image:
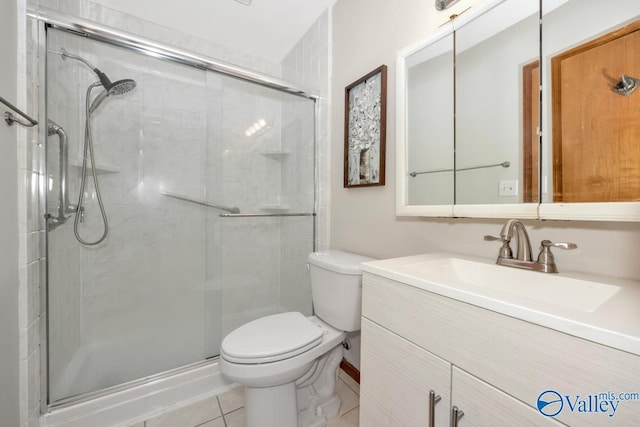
350 370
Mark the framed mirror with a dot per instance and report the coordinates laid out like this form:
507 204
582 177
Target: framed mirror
464 127
591 110
575 155
425 107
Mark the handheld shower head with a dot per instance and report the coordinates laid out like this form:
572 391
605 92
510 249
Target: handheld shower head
119 87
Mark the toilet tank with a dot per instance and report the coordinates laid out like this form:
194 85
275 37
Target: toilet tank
336 287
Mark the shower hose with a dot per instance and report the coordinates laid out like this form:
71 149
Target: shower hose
88 152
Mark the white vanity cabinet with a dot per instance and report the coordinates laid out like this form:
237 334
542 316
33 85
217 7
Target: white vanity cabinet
399 378
486 406
491 366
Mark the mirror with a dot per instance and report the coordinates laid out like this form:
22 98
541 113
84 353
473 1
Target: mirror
591 114
468 166
497 105
581 163
430 124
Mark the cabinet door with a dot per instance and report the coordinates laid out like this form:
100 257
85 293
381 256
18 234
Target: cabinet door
484 405
396 378
371 414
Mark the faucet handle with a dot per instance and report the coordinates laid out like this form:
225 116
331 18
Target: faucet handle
562 245
505 250
546 258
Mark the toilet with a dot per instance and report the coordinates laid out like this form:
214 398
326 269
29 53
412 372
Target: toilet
287 362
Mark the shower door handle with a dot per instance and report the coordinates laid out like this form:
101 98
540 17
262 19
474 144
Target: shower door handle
257 215
64 207
233 210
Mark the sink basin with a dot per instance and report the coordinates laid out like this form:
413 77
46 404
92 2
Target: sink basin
599 309
473 276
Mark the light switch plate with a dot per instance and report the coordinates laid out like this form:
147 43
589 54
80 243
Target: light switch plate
508 188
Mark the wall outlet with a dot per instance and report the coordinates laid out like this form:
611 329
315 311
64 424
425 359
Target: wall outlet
508 188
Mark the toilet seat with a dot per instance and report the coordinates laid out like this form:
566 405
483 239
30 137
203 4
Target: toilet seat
271 338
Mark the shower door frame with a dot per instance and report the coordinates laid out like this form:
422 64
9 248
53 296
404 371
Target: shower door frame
45 19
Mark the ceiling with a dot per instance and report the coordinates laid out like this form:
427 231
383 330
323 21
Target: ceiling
266 28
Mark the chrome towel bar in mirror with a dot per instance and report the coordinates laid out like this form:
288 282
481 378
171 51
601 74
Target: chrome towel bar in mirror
504 164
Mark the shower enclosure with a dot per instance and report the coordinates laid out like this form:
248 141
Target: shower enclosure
208 186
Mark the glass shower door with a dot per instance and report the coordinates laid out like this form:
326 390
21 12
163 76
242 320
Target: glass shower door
133 305
261 147
208 186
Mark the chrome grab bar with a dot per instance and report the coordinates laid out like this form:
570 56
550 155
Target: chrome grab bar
64 207
233 210
505 164
247 215
10 118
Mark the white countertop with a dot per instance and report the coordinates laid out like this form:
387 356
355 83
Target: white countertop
614 323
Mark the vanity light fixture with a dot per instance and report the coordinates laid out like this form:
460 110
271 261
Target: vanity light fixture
444 4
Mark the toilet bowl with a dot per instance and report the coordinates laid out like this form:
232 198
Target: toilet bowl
284 361
288 362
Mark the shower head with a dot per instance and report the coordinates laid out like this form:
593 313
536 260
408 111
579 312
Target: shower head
116 88
121 87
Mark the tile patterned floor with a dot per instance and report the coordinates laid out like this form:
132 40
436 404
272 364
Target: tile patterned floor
227 409
349 392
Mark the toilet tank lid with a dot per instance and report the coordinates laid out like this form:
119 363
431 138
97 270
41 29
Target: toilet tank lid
339 261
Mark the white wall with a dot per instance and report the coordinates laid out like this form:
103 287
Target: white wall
367 33
8 222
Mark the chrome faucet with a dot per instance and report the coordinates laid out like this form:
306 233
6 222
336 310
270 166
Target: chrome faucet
545 262
523 252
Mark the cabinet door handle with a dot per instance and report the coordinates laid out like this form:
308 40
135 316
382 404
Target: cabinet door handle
433 399
456 414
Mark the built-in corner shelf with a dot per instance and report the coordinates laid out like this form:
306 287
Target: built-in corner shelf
100 170
279 155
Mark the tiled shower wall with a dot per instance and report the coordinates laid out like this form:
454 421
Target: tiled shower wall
308 65
293 291
32 259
